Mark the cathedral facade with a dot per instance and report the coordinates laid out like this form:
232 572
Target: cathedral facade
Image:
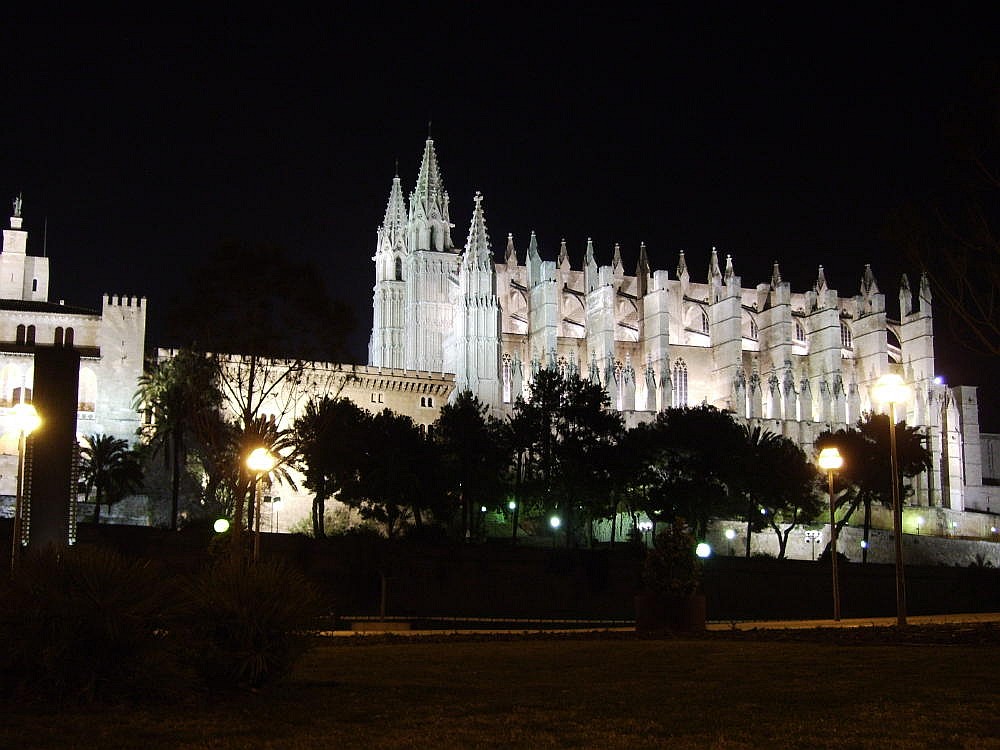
796 362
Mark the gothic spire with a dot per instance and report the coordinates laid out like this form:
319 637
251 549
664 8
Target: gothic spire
394 223
775 276
820 285
428 194
729 268
477 247
533 248
616 259
588 257
642 267
511 255
682 267
563 254
868 285
713 266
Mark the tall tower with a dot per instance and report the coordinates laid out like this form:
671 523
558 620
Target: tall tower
385 349
476 336
22 276
428 265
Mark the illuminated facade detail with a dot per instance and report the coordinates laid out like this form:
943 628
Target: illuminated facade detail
798 363
110 340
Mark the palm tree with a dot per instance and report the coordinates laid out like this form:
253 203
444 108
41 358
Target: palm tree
175 392
110 469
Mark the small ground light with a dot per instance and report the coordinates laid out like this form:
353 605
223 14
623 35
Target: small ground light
221 526
993 529
864 544
555 522
511 505
482 508
730 534
703 549
920 522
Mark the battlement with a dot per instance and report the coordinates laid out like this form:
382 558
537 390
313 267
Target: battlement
121 300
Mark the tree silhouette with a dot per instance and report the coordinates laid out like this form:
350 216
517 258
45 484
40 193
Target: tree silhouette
109 469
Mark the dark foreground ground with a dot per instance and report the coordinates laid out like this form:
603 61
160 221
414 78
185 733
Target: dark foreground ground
928 686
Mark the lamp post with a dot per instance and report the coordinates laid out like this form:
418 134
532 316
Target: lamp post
260 461
275 503
830 460
891 389
25 420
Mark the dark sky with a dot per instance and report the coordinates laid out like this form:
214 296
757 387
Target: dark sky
770 136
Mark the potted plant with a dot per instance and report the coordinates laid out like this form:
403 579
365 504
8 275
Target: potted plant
671 598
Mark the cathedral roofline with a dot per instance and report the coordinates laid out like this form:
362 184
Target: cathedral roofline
36 306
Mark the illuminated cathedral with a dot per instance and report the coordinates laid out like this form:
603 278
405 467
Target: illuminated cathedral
796 362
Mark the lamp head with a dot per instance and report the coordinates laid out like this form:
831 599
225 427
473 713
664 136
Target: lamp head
260 460
830 459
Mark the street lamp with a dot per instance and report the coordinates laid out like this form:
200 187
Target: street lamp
555 522
260 462
275 502
830 460
920 523
731 535
891 389
25 420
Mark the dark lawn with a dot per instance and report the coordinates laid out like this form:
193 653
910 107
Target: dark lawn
717 691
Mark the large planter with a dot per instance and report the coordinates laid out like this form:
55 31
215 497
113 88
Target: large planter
679 614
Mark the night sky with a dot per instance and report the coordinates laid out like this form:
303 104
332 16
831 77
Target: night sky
769 136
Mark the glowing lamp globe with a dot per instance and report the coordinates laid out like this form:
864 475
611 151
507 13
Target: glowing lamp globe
260 460
555 522
703 550
890 389
221 526
25 418
830 459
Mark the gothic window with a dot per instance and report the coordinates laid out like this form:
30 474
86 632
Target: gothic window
423 401
87 395
20 334
704 321
399 269
430 401
800 332
846 340
30 335
34 285
680 390
21 395
506 377
753 328
69 337
58 339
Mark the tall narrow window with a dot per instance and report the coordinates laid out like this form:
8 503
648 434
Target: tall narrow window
69 337
753 328
800 332
34 285
58 338
30 335
399 269
704 322
19 336
506 377
680 378
846 340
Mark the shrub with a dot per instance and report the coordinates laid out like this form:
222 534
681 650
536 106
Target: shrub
671 566
242 623
82 624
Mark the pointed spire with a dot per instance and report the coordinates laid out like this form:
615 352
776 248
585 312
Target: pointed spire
533 248
429 190
642 267
820 285
394 222
868 285
616 259
775 276
511 254
477 247
563 254
642 271
729 268
682 267
713 266
588 257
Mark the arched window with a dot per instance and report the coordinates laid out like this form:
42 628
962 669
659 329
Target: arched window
58 338
19 339
399 268
423 401
753 328
680 389
800 332
21 396
846 340
506 377
30 335
69 337
34 285
704 321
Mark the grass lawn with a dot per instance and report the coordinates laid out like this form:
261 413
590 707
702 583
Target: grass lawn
715 691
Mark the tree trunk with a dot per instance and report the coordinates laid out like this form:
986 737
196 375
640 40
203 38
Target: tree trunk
175 483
